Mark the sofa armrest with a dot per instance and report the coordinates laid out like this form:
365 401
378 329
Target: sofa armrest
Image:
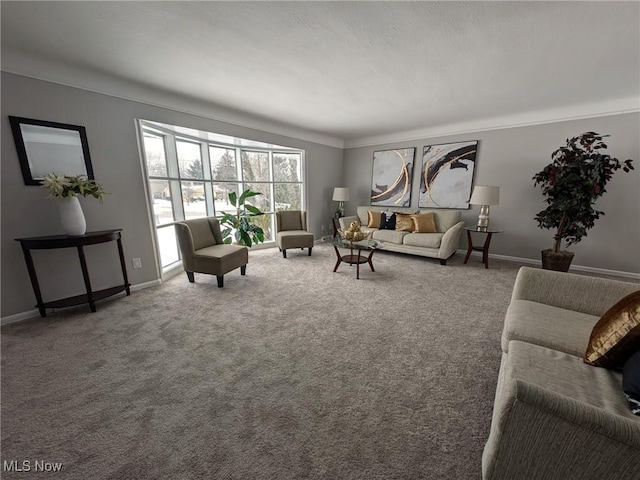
540 434
346 221
581 293
450 241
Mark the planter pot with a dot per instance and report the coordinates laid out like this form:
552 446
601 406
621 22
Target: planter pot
560 262
72 217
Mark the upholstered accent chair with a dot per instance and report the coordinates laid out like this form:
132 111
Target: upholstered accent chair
203 251
291 231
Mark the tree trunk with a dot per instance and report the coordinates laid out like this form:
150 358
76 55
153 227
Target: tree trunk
558 238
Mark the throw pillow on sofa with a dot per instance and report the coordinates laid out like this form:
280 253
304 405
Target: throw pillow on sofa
631 382
404 222
424 223
373 219
616 336
387 221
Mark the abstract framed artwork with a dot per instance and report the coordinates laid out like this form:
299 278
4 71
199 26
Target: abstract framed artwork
447 175
392 173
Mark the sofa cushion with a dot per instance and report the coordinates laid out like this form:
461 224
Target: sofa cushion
404 222
387 221
616 336
567 375
553 327
373 219
445 219
631 382
391 236
424 223
362 211
430 240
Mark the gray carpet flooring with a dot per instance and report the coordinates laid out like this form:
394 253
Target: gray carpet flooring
290 372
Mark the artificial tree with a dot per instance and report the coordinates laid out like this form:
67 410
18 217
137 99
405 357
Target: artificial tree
246 233
571 183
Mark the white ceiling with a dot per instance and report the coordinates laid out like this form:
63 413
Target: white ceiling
351 71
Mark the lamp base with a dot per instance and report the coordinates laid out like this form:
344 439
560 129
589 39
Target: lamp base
483 218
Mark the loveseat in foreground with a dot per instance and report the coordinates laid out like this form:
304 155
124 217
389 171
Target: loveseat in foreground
556 417
441 244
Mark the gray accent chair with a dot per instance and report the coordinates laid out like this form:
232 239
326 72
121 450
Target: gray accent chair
203 251
291 231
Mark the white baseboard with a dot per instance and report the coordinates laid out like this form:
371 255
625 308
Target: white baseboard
141 286
578 268
18 317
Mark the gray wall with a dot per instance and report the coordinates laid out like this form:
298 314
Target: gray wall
111 132
509 158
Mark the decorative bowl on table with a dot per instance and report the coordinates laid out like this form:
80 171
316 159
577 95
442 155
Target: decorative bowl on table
353 233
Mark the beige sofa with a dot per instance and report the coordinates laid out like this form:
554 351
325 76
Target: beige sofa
555 417
441 245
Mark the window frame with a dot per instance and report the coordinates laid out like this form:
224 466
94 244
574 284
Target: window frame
170 138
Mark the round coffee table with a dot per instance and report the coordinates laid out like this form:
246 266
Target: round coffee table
355 258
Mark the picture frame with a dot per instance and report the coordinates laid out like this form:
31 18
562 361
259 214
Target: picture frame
392 176
447 175
49 147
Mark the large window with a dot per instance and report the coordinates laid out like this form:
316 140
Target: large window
190 175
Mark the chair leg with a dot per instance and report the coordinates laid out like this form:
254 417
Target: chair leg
443 261
310 248
220 280
284 253
190 277
243 270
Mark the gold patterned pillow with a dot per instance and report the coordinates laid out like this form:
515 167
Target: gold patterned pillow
404 222
424 223
373 219
616 336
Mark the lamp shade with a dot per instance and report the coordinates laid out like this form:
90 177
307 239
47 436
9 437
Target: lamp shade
341 194
485 195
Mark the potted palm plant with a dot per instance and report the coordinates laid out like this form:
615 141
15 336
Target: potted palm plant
246 233
572 183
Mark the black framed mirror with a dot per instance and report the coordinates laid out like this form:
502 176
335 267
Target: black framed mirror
49 147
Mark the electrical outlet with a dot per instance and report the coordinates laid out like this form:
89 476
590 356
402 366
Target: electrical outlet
136 262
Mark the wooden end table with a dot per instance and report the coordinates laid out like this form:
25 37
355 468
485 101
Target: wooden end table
484 248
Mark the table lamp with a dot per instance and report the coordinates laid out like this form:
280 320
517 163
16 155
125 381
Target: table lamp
484 196
340 194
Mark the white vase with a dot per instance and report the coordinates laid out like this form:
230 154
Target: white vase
72 217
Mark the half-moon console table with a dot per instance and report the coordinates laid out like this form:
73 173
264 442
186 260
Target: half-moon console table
79 242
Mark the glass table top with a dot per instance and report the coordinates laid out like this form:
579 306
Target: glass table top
481 230
367 244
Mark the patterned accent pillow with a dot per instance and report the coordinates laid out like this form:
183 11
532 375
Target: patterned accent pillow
616 336
373 219
631 382
424 223
404 222
387 221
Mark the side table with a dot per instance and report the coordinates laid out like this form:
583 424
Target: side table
79 242
485 248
